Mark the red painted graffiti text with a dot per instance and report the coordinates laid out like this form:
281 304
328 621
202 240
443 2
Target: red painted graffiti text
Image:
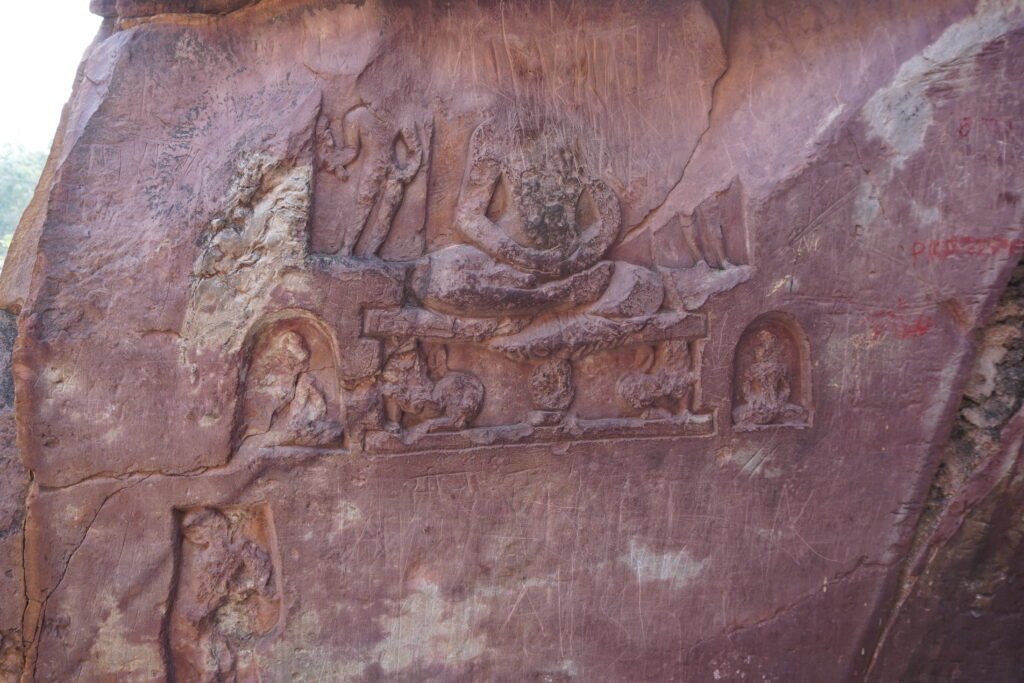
967 246
899 323
989 124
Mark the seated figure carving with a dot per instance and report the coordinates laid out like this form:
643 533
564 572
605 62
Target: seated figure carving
537 229
282 400
532 257
765 387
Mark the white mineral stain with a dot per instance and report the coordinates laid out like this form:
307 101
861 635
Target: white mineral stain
424 629
679 568
866 206
430 628
828 120
112 653
925 215
901 113
345 514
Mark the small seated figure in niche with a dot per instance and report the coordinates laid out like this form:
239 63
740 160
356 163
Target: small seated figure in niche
766 387
283 399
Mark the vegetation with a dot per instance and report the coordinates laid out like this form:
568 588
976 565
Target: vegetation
19 172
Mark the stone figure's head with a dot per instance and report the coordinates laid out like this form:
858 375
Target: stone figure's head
767 347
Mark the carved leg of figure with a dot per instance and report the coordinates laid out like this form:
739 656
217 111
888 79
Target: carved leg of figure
369 191
378 230
792 412
687 289
308 423
466 281
434 424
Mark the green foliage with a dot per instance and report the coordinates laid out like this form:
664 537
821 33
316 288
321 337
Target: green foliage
19 172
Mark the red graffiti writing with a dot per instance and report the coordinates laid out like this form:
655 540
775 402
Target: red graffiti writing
990 124
965 246
899 323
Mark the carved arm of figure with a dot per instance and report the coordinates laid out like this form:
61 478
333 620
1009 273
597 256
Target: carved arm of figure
352 131
406 169
557 262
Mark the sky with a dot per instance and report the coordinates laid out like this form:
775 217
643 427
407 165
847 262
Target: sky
41 44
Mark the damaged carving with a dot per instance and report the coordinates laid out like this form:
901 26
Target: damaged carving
525 278
419 400
263 190
227 599
291 387
772 384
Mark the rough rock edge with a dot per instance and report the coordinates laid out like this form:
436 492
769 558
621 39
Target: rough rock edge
15 483
142 9
964 478
137 9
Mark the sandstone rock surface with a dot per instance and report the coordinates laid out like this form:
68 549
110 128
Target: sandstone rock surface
521 341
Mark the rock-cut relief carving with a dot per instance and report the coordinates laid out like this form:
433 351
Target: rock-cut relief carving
421 395
378 159
291 392
531 281
772 375
523 284
663 385
226 599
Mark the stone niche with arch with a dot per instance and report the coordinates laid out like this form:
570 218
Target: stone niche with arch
292 395
772 375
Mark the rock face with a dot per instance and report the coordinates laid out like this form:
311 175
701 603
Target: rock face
522 341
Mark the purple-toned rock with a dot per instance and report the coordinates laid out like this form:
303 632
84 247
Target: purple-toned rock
521 341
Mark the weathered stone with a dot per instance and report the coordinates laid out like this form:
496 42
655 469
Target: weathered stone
14 490
146 8
520 341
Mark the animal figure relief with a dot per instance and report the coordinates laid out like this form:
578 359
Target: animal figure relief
227 597
388 158
766 386
662 388
419 404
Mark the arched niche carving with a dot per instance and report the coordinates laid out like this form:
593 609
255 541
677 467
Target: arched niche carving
291 394
772 375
